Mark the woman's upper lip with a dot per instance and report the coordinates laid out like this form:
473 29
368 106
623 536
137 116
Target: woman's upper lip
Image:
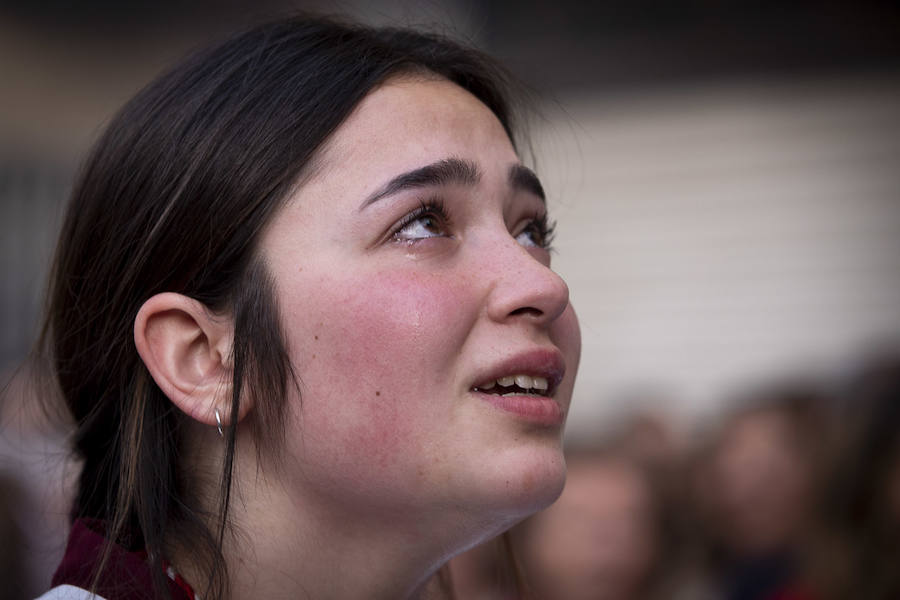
536 362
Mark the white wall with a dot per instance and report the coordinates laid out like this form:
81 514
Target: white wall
723 236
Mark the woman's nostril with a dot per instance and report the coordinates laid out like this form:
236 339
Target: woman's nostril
527 310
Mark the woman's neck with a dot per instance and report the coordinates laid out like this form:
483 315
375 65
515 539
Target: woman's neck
305 554
284 546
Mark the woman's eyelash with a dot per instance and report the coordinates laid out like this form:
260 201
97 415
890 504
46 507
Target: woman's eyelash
431 207
545 229
538 225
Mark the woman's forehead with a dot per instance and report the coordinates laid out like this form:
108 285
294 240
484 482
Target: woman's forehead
411 120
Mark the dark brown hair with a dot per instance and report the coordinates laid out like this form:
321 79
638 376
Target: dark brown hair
173 198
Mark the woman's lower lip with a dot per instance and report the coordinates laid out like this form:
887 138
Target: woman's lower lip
535 409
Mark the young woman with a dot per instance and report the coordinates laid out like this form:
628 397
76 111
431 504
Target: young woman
303 316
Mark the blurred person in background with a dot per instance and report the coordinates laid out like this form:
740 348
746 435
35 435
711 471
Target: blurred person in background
865 501
757 494
649 438
603 538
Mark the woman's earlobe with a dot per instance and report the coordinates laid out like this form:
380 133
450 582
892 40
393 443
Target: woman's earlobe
187 351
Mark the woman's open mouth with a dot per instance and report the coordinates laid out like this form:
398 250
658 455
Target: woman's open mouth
516 385
525 387
527 397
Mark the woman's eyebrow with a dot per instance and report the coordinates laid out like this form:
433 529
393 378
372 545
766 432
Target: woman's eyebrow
443 172
523 178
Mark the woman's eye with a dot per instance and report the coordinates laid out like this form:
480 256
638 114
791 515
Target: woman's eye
428 221
422 227
537 234
530 238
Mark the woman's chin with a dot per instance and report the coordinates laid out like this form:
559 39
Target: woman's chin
526 482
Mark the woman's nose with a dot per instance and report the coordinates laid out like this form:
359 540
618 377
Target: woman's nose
523 287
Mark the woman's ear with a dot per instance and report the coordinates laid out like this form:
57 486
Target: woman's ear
187 350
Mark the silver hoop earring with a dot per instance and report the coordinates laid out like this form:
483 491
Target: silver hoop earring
219 424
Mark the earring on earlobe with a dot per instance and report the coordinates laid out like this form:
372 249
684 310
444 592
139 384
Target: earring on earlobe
219 424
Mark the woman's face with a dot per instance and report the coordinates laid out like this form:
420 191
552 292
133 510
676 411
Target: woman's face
411 276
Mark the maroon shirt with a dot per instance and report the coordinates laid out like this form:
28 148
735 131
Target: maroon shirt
126 575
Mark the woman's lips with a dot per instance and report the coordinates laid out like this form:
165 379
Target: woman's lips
525 384
540 410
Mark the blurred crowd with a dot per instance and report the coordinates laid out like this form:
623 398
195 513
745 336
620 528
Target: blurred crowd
792 494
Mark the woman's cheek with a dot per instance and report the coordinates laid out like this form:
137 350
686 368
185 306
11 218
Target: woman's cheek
378 369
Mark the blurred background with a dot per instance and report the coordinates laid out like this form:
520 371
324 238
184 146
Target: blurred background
726 180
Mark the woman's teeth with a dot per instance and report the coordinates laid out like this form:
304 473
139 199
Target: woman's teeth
526 383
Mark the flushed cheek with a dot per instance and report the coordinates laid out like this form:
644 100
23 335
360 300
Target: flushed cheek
377 368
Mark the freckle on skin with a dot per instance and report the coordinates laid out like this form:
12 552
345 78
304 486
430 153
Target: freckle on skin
377 393
316 337
528 483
